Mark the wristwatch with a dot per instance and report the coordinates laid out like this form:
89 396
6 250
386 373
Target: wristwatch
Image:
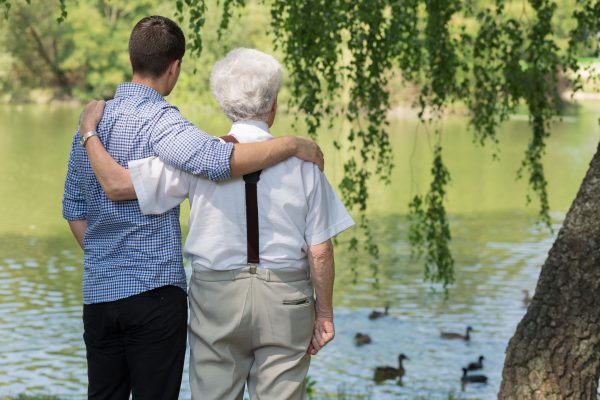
84 138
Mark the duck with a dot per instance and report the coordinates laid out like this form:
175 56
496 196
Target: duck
378 314
472 378
526 298
361 339
476 365
452 335
383 373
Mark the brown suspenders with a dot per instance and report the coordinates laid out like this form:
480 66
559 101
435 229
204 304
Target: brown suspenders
251 210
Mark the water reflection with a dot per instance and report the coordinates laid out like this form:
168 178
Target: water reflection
40 317
41 331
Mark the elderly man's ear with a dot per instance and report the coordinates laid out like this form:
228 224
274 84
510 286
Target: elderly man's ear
273 112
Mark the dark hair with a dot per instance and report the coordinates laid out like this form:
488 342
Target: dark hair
155 42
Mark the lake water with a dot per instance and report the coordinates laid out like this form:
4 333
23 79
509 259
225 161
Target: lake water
497 245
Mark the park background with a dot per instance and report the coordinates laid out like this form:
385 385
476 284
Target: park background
47 70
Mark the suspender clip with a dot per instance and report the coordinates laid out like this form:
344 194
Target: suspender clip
252 268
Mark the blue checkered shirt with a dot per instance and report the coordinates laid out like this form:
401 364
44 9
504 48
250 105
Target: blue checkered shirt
125 251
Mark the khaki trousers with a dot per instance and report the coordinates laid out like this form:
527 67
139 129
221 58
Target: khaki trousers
250 325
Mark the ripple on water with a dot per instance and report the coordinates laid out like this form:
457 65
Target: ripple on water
41 342
487 296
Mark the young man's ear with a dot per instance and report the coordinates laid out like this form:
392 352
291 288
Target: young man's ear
174 67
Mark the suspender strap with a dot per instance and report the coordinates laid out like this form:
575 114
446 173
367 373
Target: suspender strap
252 216
251 210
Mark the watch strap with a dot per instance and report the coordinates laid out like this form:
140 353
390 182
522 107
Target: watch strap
84 138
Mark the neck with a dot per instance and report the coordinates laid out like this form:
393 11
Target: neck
156 84
255 122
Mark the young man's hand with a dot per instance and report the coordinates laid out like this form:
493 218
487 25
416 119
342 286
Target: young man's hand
90 116
308 150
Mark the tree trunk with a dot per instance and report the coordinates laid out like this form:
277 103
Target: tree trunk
555 352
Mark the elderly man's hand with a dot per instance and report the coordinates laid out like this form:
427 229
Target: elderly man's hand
308 150
323 333
90 116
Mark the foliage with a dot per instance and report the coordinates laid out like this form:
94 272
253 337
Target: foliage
76 55
584 36
491 57
429 230
310 383
196 18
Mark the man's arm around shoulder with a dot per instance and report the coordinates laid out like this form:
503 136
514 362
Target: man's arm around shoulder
250 157
245 158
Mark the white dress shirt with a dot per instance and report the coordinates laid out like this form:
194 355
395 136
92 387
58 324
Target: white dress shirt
297 208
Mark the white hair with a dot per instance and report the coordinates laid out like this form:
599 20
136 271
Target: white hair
245 84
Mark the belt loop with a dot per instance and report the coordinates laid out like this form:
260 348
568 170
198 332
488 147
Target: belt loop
253 269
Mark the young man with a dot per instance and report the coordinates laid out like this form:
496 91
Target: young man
135 306
260 248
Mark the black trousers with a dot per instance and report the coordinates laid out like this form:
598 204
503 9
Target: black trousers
136 345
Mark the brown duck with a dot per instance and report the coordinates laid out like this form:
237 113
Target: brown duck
361 339
378 314
452 335
386 372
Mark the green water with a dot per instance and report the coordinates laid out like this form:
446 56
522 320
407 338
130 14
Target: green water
497 246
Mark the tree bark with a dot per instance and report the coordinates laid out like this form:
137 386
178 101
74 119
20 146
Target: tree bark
555 352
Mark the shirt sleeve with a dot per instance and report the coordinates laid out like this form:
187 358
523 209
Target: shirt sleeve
179 143
159 187
74 204
326 216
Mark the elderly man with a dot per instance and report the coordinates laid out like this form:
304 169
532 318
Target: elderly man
260 247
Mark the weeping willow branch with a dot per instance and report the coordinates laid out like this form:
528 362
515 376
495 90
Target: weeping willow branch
429 230
194 11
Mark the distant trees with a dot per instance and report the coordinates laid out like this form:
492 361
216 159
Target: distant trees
85 54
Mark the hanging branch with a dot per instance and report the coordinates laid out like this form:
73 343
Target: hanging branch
228 6
540 79
429 230
196 12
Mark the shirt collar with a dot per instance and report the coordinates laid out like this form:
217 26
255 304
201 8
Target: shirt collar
250 131
127 89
